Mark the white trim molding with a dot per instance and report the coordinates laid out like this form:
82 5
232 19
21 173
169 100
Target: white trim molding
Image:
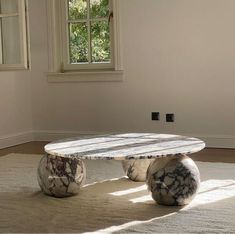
98 76
15 139
54 36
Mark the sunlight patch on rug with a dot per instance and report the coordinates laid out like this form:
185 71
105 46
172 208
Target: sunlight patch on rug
214 194
210 191
129 191
102 181
218 187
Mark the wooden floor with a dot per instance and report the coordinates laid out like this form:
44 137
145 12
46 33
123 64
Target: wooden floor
206 155
34 147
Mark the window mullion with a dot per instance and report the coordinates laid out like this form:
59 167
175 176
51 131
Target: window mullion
77 21
85 20
89 31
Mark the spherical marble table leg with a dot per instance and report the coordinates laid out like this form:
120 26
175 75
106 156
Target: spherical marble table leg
61 177
136 169
173 180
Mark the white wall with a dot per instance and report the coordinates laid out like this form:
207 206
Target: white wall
179 57
15 108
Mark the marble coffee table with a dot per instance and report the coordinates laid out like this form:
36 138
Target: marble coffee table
159 159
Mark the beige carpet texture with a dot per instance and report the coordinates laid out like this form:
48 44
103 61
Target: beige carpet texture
110 203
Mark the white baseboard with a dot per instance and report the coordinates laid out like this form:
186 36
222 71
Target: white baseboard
15 139
212 141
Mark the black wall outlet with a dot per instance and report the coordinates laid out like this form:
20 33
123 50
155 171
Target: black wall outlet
155 115
170 117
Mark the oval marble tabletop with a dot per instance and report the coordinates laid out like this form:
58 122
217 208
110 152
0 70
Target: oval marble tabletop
125 146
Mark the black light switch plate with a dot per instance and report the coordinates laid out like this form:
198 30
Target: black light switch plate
155 115
170 117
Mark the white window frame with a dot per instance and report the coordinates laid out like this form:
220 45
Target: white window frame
65 36
59 71
23 28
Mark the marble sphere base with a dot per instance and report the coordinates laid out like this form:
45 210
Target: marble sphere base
61 177
136 169
173 180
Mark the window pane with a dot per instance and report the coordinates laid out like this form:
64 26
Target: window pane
9 6
10 44
100 41
77 9
78 36
99 8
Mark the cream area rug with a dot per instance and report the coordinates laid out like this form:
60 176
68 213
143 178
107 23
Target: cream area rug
110 203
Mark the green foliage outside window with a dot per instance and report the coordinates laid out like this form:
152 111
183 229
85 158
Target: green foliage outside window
90 23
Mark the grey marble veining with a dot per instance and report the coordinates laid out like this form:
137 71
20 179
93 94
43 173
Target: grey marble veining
136 169
125 146
61 177
173 180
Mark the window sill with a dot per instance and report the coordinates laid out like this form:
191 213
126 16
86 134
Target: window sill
90 76
13 67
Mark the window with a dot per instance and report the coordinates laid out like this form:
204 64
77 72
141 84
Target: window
84 38
13 35
87 30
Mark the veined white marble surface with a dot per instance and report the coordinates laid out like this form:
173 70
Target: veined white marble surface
125 146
